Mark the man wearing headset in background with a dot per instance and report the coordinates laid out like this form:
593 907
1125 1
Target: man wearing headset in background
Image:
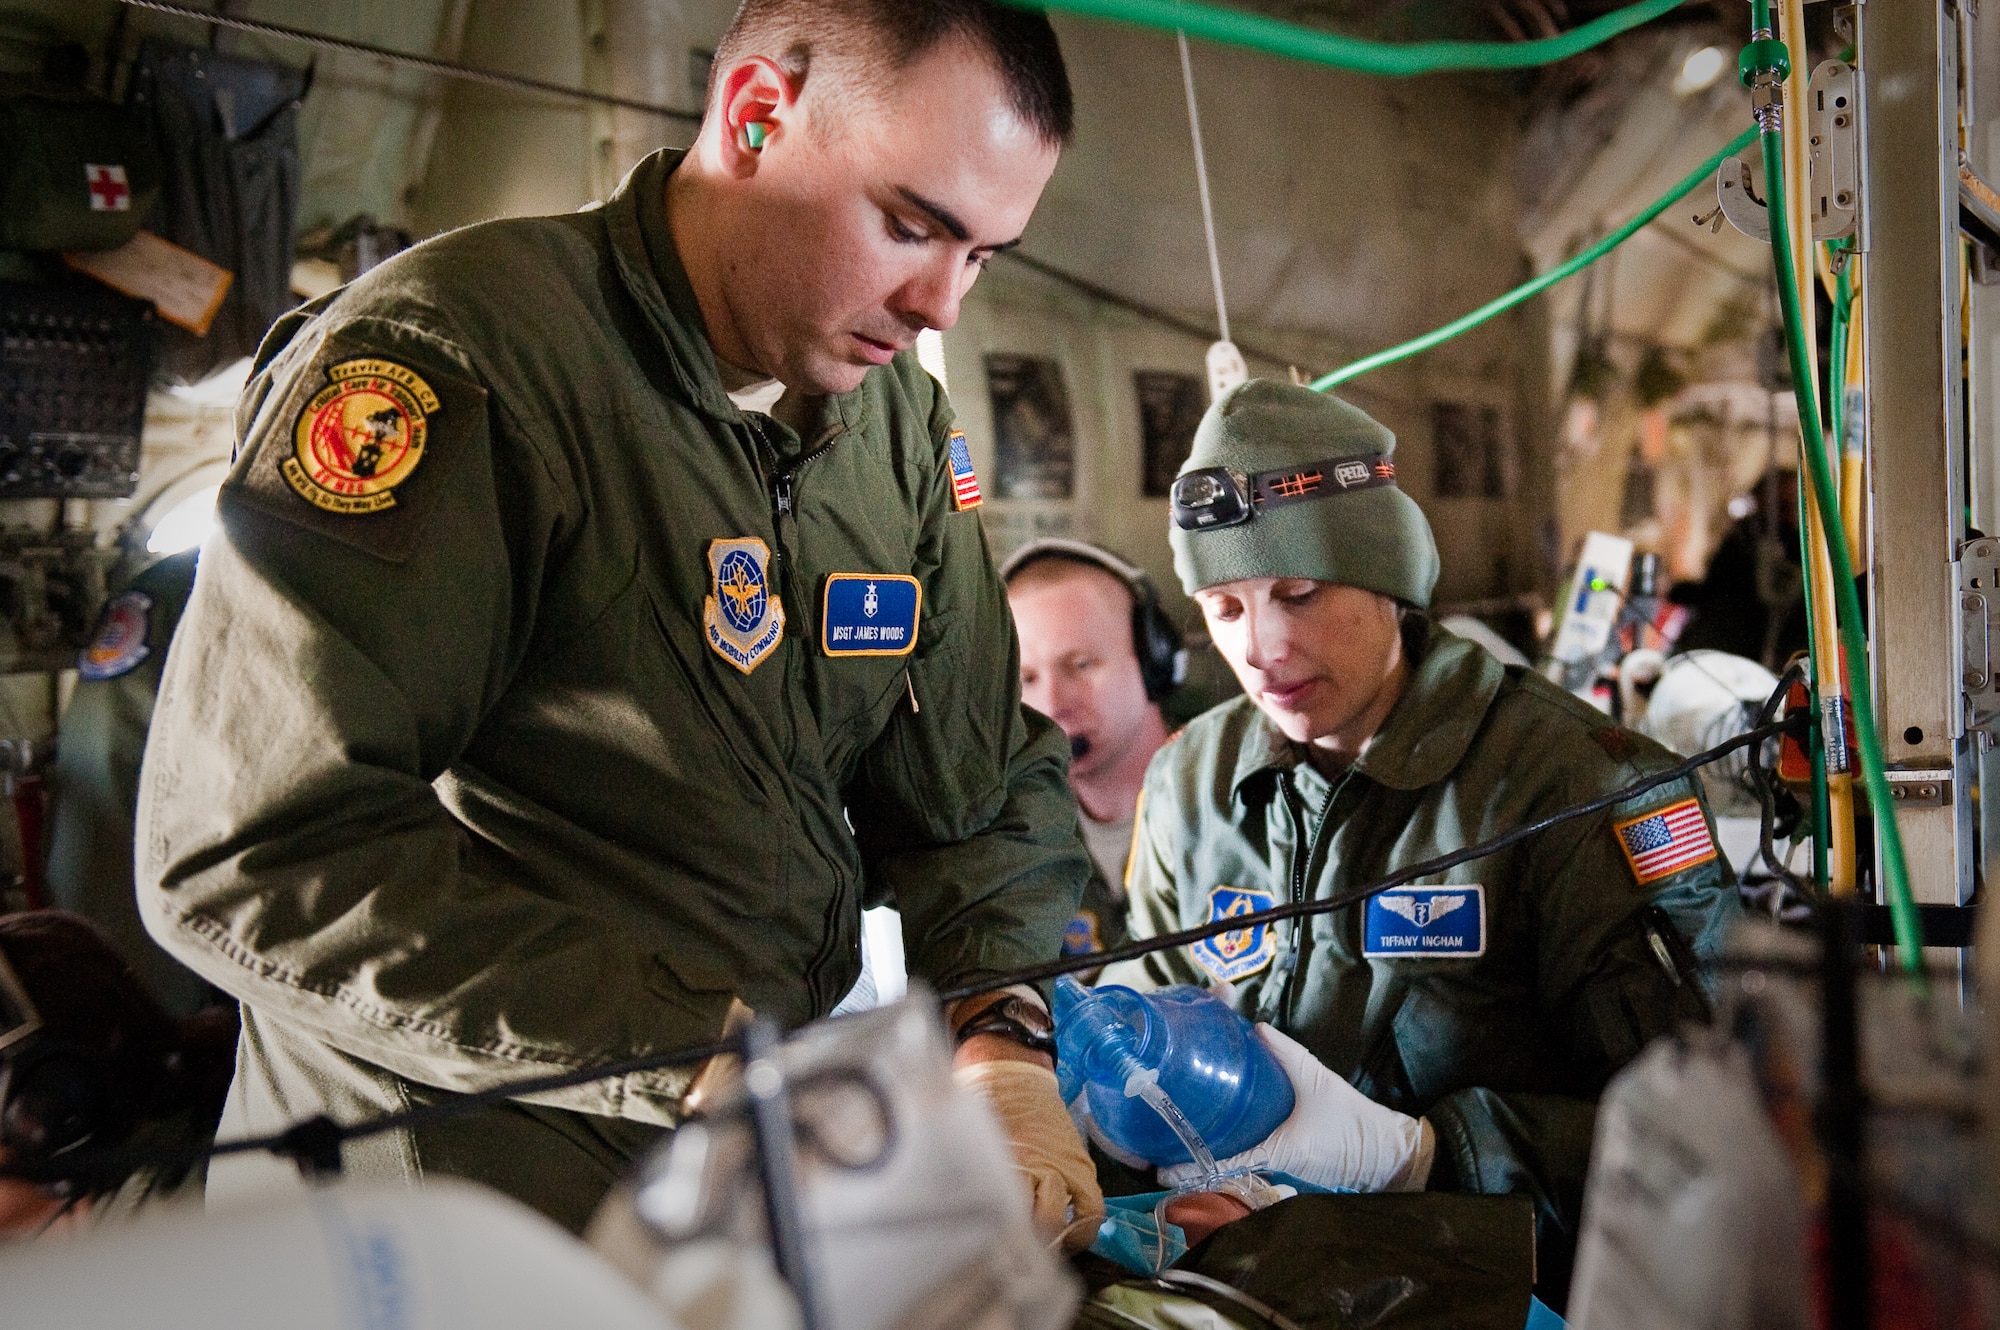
1099 653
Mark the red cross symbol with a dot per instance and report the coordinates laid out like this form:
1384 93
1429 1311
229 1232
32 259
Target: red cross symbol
109 190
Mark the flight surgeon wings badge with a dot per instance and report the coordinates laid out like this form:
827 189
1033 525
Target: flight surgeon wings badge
743 617
1233 956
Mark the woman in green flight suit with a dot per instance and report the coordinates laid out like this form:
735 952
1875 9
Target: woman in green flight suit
1453 1034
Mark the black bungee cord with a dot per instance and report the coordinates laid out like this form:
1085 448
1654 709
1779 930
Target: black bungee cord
314 1144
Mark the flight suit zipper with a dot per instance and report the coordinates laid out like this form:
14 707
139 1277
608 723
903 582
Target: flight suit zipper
783 486
1301 879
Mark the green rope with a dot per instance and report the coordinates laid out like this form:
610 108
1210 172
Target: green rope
1383 59
1686 185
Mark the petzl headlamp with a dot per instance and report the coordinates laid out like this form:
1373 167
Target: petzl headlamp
1219 496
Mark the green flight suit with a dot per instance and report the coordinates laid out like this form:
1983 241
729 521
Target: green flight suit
540 764
1504 1051
94 785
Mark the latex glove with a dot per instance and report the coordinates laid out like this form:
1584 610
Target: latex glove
1336 1136
1047 1151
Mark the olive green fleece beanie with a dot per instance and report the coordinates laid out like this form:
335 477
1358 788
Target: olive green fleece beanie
1373 538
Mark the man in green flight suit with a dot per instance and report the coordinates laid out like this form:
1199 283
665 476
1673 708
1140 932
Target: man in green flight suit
1453 1034
598 619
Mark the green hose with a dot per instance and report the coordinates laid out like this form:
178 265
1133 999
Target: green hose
1902 906
1528 290
1822 802
1822 815
1836 355
1383 59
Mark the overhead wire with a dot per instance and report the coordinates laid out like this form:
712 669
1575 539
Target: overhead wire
1359 55
1201 181
429 64
1528 290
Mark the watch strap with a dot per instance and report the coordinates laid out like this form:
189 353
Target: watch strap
1007 1026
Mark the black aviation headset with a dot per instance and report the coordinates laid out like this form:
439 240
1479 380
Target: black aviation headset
51 1092
77 1068
1156 640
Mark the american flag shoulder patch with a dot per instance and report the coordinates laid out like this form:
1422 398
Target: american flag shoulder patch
1666 840
964 482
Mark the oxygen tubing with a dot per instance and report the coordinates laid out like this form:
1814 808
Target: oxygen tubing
1902 906
1853 457
1845 424
1382 59
1686 185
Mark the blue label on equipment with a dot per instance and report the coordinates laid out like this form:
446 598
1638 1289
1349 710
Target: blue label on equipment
870 614
1435 922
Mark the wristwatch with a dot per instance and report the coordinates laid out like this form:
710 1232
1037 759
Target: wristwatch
1015 1018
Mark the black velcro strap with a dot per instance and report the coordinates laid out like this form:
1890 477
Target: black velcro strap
1321 480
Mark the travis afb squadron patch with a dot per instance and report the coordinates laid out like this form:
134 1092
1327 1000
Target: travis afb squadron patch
360 436
120 641
1232 956
743 619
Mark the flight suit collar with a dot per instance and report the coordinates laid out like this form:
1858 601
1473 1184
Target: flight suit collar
648 262
1427 733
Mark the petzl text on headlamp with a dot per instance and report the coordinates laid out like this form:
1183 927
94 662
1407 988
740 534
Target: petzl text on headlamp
1219 496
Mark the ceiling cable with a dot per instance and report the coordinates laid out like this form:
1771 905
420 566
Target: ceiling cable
430 64
1201 179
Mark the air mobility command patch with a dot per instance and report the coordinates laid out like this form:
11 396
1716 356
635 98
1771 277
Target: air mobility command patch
744 619
870 614
964 481
119 643
1426 923
1233 956
360 436
1666 840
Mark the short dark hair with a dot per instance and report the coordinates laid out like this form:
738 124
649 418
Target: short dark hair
881 37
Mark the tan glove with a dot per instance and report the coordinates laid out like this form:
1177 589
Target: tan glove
721 1071
1047 1150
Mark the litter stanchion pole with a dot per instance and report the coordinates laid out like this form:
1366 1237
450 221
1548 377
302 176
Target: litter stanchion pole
777 1163
1849 1278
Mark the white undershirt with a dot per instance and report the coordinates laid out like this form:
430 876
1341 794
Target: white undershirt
1110 844
761 396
